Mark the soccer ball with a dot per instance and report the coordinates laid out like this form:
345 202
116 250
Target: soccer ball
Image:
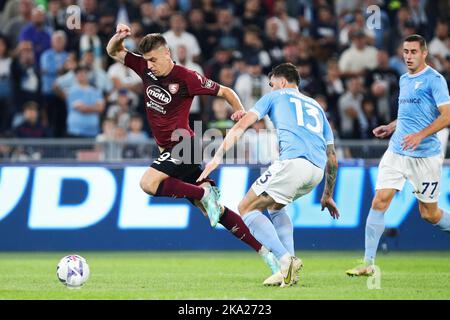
72 271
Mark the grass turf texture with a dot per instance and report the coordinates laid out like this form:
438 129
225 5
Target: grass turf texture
223 275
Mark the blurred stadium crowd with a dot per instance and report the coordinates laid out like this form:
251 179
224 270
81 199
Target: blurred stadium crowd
57 81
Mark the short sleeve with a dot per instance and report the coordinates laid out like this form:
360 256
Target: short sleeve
199 85
262 106
439 90
136 63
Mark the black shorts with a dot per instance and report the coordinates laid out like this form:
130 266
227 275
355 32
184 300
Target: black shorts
182 163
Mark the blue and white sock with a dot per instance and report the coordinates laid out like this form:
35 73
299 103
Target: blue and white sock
285 230
444 223
263 230
374 230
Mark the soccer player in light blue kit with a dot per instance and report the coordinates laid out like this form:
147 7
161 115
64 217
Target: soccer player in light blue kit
306 153
414 151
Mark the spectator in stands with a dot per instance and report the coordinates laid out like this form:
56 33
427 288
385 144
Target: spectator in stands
252 15
89 8
334 88
382 82
324 31
31 126
177 35
148 20
370 118
97 76
252 85
25 78
5 85
439 47
90 41
222 57
355 21
163 13
290 52
196 106
37 32
272 43
359 57
135 132
309 84
137 139
120 112
288 27
55 16
13 25
64 82
253 47
350 109
221 116
206 38
331 117
52 66
228 34
85 104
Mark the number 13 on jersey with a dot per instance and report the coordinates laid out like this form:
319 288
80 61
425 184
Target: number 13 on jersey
311 111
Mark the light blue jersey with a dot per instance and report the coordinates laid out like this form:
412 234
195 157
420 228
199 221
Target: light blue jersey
420 96
303 129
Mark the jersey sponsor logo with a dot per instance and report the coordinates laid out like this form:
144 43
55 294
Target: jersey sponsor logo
158 95
410 100
173 88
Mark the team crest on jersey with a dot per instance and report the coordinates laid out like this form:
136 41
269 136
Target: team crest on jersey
173 88
417 85
208 84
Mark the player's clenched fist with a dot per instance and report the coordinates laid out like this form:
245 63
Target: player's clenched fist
123 31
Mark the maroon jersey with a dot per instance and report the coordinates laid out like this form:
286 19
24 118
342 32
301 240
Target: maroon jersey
169 98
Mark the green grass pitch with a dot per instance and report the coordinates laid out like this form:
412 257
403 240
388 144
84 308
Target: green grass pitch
223 275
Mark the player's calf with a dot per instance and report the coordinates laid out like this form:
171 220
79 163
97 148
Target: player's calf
430 212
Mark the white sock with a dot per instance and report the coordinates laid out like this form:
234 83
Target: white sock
374 230
444 223
285 230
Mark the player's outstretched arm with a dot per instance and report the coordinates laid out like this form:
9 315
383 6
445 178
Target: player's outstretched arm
233 99
330 180
230 140
115 47
412 141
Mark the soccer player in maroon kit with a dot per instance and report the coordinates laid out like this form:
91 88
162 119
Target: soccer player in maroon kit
169 91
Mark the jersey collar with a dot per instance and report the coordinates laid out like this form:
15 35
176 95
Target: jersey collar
418 74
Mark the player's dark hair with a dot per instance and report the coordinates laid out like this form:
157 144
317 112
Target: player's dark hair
151 42
417 38
287 71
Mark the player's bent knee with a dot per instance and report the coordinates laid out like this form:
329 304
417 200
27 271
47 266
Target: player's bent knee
431 215
149 187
